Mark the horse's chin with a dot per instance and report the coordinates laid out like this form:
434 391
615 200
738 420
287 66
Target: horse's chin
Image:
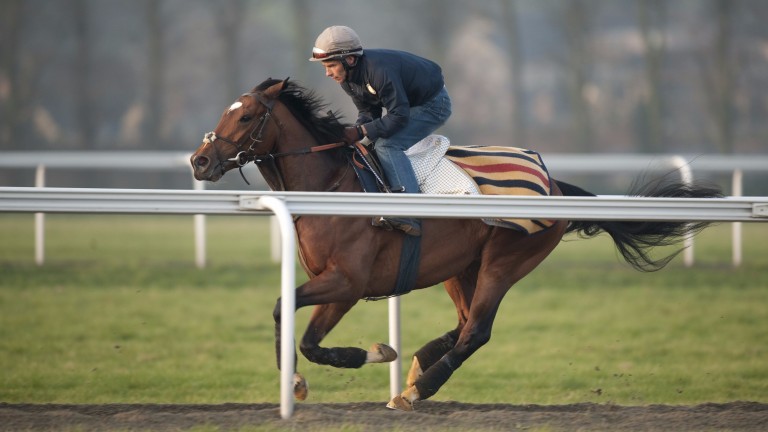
215 177
212 175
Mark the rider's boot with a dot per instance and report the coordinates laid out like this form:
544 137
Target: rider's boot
410 226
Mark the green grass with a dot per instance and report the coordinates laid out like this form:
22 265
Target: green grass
120 314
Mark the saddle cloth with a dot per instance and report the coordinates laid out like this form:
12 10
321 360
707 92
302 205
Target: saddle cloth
487 170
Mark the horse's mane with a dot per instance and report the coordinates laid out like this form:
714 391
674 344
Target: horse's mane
307 107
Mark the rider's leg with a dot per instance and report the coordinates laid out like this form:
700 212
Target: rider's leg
424 120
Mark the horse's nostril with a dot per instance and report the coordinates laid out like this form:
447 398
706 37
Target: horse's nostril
201 161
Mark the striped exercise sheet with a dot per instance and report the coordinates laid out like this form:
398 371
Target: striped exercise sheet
506 171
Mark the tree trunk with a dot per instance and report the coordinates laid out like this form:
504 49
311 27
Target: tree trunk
10 100
579 61
651 136
155 70
517 94
83 91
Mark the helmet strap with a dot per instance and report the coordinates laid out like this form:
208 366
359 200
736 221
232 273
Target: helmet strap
346 65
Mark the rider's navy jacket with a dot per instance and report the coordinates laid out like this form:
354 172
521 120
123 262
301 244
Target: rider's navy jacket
395 81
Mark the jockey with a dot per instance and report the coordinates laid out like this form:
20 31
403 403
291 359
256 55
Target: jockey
410 88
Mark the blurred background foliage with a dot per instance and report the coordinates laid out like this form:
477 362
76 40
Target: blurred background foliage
629 76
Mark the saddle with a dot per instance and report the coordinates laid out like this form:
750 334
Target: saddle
473 170
368 169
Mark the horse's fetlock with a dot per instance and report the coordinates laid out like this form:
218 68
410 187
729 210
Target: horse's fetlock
414 372
411 394
434 377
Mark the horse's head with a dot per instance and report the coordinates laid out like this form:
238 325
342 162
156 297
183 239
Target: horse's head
244 131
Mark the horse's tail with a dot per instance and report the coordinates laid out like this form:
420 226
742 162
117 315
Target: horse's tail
635 239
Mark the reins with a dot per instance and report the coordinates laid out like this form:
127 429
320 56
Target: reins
312 149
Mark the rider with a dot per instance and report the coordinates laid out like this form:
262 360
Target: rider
410 88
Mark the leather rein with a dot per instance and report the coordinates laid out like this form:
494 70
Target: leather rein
243 157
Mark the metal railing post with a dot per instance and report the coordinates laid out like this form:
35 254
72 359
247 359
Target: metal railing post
200 231
40 220
395 367
686 176
287 301
274 239
736 190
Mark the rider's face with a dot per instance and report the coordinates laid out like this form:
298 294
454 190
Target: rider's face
334 69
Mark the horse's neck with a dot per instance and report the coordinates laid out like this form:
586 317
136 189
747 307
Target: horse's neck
311 172
316 172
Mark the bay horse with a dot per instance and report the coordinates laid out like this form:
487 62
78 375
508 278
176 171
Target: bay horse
280 127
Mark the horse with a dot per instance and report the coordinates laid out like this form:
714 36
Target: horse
280 126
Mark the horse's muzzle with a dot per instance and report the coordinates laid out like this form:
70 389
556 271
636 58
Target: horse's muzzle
203 169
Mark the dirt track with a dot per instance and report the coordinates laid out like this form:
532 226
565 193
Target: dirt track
373 416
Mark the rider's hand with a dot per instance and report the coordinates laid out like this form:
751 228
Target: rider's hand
351 135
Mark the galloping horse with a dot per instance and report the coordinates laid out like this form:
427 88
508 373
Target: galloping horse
279 126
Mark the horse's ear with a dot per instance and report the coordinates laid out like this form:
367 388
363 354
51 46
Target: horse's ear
274 90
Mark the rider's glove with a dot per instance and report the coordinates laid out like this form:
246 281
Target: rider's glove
352 134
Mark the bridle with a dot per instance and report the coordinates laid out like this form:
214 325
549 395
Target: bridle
243 157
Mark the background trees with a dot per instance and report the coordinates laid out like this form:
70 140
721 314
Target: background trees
570 76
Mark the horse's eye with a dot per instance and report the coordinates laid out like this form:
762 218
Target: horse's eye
245 119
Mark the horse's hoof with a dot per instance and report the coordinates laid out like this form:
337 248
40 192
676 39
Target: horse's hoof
386 352
400 403
300 387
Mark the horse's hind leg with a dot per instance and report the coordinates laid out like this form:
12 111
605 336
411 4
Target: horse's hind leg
460 289
474 334
498 273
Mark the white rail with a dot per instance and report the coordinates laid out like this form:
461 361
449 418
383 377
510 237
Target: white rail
558 163
76 200
284 205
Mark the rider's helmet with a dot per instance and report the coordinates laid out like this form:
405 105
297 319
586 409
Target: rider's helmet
336 42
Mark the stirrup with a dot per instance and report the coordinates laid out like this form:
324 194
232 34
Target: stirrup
390 224
380 222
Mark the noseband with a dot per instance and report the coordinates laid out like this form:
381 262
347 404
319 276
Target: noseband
243 157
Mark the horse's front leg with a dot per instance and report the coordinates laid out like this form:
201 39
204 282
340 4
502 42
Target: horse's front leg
324 318
333 296
300 387
318 290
